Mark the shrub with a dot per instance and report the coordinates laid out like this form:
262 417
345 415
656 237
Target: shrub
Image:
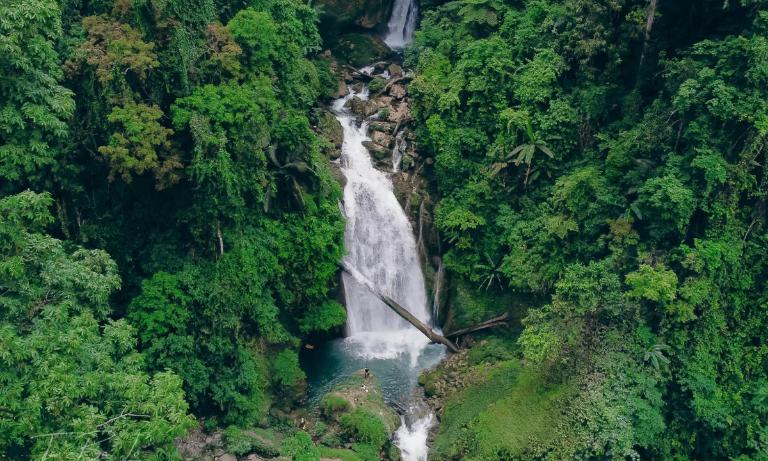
364 426
491 350
300 448
333 404
240 443
376 85
366 452
286 372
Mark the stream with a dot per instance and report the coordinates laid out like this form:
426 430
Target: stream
381 246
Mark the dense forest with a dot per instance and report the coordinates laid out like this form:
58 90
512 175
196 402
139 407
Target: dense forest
170 228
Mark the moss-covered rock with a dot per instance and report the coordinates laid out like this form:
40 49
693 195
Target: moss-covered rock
356 415
330 129
359 50
347 14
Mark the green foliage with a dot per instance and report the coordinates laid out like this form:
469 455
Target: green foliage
376 84
72 383
635 230
35 107
286 372
653 283
241 442
323 318
339 453
300 448
333 404
365 427
139 144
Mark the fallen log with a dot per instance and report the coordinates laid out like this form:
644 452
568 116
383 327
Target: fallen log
490 323
400 310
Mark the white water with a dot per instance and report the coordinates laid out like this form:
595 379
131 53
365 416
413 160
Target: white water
411 438
397 152
401 24
381 247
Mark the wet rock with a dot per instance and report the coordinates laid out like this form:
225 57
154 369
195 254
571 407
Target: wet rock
362 108
330 129
395 70
382 139
397 91
377 151
339 177
342 91
385 127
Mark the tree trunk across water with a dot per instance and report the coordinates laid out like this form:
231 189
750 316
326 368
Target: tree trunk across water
400 310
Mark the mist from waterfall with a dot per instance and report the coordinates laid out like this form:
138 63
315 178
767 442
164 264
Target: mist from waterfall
402 23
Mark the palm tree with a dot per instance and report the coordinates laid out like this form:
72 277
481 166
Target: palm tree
655 355
524 153
492 271
289 176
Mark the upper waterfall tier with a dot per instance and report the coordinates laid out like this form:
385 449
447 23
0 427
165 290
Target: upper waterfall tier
402 23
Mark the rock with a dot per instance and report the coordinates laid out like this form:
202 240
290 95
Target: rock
337 15
377 151
382 139
338 175
397 91
342 91
385 127
226 457
402 113
359 49
362 108
331 130
395 70
365 393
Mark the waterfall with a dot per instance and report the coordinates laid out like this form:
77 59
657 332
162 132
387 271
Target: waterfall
397 152
381 246
401 24
411 437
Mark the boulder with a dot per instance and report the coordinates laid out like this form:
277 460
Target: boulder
338 15
397 91
401 113
395 70
382 139
378 152
385 127
330 129
361 107
342 91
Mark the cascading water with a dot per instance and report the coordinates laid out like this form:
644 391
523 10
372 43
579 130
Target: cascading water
397 152
402 23
380 245
381 248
